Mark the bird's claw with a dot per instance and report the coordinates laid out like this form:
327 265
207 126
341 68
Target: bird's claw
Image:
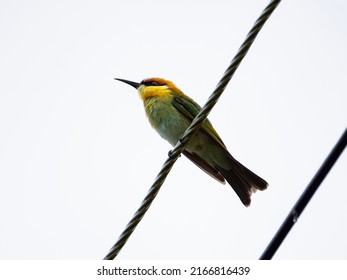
170 154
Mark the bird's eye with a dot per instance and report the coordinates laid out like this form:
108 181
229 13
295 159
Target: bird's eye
151 83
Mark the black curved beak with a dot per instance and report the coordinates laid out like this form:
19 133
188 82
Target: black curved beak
134 84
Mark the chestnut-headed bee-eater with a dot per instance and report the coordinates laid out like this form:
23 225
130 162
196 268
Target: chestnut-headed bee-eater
170 112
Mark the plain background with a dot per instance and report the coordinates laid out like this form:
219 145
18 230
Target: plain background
77 155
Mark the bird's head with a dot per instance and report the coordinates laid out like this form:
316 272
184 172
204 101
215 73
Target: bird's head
154 87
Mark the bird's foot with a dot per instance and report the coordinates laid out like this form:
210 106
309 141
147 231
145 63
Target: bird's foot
170 154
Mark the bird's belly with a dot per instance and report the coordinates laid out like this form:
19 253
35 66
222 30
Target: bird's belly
172 130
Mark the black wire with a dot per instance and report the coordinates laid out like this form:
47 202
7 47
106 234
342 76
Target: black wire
305 198
191 130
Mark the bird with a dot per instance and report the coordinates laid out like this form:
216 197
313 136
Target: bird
170 112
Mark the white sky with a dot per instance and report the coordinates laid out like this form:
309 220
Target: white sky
77 155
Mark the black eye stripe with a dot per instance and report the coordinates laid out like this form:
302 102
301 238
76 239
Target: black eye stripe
151 83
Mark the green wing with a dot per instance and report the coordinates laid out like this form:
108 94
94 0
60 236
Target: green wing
189 108
242 180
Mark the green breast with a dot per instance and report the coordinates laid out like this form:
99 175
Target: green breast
165 119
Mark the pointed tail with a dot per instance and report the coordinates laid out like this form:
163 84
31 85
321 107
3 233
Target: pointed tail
243 181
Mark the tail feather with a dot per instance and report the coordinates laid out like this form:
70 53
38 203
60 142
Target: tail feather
243 181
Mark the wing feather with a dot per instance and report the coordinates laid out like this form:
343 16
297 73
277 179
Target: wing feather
210 170
190 109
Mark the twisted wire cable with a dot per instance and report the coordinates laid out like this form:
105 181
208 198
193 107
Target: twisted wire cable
191 130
